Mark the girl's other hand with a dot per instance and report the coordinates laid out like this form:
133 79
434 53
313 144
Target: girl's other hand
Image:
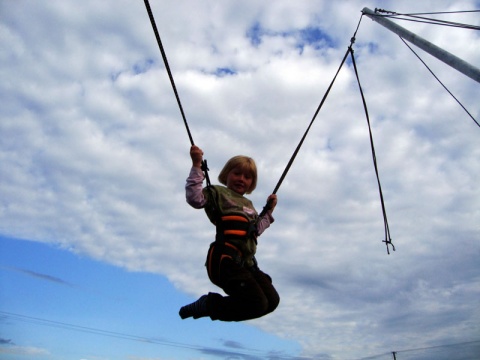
272 202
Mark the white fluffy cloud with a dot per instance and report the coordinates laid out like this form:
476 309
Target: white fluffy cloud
94 155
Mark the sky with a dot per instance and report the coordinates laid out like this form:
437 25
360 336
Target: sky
98 248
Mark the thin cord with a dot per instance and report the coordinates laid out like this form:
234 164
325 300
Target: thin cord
428 68
124 336
445 12
428 13
437 22
421 19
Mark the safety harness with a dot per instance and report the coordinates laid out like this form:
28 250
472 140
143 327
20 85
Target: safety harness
229 229
235 227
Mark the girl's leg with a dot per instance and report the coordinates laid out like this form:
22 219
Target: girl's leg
265 282
250 294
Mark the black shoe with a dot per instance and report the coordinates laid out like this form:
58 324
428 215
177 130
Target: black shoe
196 309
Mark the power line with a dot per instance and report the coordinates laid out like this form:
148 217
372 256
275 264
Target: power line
89 330
420 349
439 346
124 336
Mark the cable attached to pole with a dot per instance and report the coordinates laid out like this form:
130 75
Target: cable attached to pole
441 83
426 20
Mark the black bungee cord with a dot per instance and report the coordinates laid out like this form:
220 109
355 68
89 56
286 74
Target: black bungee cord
167 67
290 162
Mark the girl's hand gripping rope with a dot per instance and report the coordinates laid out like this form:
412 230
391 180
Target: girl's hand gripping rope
270 205
197 156
271 202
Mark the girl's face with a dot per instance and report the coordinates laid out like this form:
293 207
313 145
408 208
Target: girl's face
239 181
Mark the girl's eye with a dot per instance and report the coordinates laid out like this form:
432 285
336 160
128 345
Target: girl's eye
240 173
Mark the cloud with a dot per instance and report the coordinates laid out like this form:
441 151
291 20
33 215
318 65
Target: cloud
23 350
94 156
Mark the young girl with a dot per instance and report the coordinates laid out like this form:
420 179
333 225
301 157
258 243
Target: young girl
231 264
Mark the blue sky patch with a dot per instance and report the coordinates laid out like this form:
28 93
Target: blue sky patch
142 66
224 71
255 34
315 36
309 36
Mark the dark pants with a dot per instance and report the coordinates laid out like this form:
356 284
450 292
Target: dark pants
250 291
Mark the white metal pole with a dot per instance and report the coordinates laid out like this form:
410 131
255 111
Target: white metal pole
441 54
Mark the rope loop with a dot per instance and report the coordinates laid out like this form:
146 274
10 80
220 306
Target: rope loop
388 240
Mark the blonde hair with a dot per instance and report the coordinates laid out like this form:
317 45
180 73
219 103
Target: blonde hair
246 164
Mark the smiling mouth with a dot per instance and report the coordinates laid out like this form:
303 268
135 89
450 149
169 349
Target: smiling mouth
240 188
